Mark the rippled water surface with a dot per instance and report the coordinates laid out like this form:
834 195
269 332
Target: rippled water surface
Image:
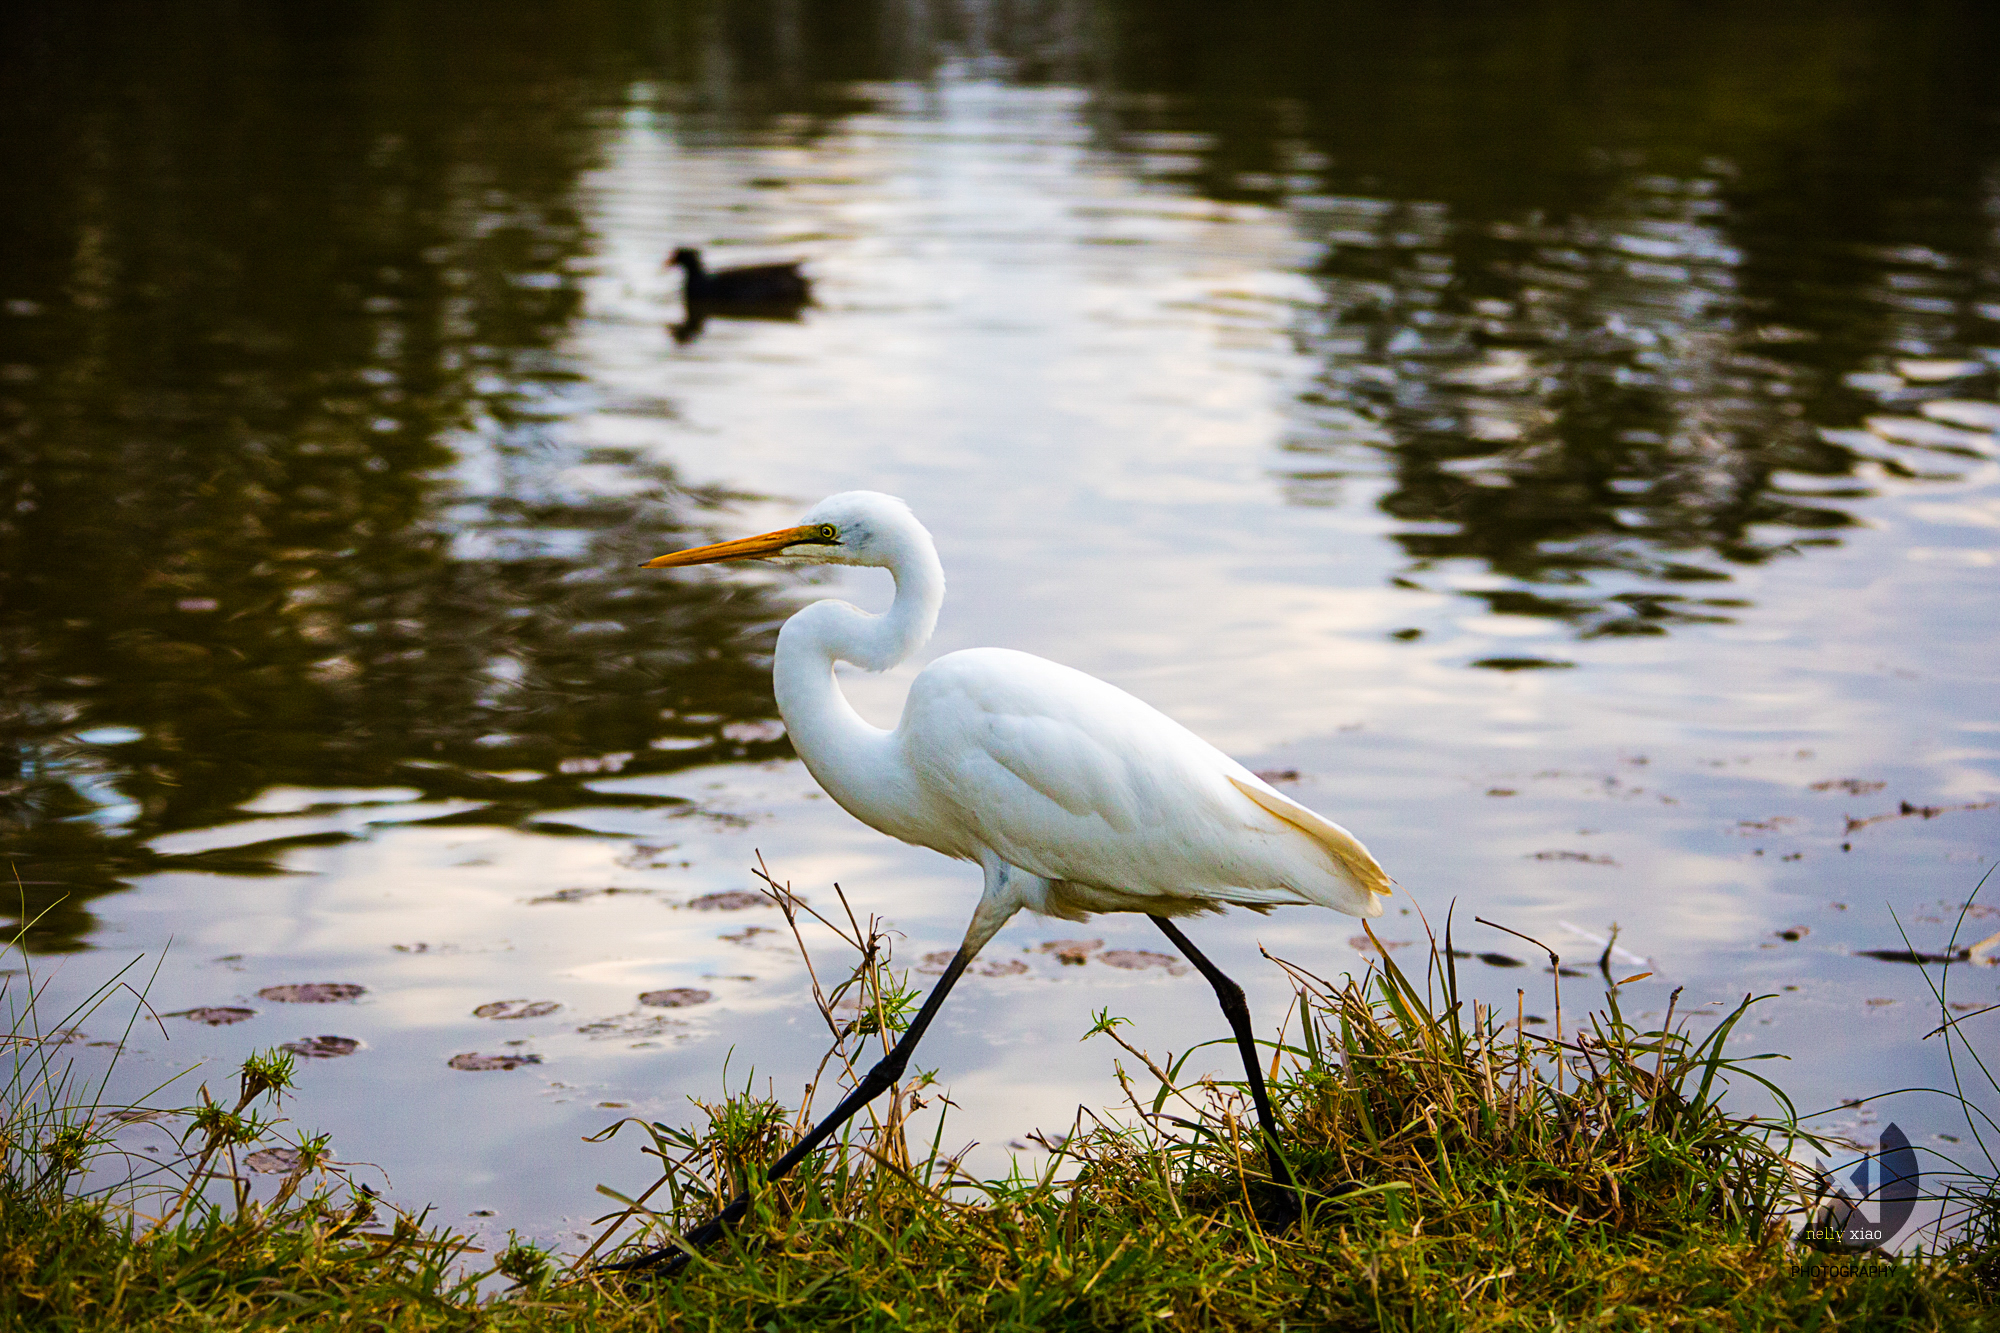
1561 449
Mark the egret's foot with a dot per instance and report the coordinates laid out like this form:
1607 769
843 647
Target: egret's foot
1275 1207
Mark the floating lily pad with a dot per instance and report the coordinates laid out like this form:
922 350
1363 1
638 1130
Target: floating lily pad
273 1161
469 1060
1794 932
641 1027
733 900
313 992
516 1009
1134 960
1499 960
934 964
216 1016
1072 953
322 1047
679 997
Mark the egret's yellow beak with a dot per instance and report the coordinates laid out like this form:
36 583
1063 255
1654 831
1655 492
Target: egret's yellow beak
743 548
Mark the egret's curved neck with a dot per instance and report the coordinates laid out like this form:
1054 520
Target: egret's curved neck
856 762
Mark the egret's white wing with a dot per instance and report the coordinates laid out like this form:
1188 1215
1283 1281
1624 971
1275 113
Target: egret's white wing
1074 780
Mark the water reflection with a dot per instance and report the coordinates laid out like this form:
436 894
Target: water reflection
1591 312
287 501
337 392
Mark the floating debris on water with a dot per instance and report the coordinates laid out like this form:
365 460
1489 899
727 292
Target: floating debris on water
516 1009
273 1161
313 992
1499 960
1523 664
1909 956
216 1016
652 856
1365 945
1278 774
748 933
579 895
321 1047
1905 810
1852 786
1792 933
678 997
1072 953
934 964
139 1115
732 900
1986 953
473 1061
1584 858
644 1027
1134 960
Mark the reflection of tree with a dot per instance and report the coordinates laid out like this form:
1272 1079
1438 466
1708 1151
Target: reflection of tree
269 286
1594 274
1592 412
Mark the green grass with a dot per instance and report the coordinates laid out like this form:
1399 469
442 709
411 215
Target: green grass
1588 1177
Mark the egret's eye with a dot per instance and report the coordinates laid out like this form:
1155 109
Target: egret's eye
828 533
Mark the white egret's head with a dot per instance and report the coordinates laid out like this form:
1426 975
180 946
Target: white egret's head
852 528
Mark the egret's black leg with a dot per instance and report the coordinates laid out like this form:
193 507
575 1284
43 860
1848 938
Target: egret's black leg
1237 1010
887 1070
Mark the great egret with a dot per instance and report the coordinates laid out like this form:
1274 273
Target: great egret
1071 795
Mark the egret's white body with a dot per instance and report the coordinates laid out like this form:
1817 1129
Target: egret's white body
1073 796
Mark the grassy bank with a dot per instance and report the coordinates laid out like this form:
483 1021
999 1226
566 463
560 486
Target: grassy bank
1461 1172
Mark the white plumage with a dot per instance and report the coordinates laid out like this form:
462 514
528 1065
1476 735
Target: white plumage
1073 796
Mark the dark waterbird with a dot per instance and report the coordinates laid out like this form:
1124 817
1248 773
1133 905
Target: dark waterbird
753 291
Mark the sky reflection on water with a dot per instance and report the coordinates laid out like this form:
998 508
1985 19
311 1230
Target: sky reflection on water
1284 396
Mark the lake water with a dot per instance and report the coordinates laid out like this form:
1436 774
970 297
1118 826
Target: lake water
1560 446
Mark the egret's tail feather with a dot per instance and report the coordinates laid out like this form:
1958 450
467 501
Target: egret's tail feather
1350 859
